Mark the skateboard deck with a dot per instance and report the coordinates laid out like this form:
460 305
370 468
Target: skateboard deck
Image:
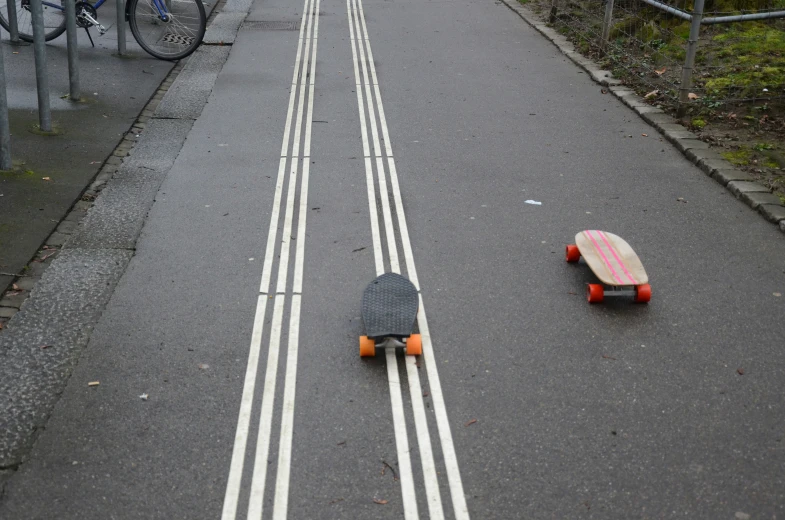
389 310
614 262
611 258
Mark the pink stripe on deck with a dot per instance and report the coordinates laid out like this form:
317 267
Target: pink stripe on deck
613 251
605 258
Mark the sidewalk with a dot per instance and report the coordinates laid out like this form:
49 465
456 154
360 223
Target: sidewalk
52 172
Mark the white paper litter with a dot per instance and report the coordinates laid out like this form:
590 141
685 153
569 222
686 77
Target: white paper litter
536 203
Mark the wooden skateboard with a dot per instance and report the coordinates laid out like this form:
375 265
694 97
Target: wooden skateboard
389 309
614 262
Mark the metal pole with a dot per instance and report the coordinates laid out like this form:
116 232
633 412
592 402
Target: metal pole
13 24
75 93
554 7
606 25
5 133
689 61
120 26
41 79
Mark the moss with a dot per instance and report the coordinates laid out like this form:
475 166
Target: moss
698 123
740 157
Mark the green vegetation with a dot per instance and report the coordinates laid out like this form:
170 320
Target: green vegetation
698 123
740 157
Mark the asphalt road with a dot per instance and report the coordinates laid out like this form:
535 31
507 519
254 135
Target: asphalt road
238 317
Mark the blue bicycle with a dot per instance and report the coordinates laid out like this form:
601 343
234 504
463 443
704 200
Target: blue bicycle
166 29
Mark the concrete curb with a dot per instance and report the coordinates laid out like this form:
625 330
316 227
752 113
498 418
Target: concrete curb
742 185
90 250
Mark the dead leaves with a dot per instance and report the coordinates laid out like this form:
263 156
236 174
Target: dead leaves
692 96
470 422
380 501
652 94
661 71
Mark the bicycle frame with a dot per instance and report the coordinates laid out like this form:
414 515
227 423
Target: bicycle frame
160 6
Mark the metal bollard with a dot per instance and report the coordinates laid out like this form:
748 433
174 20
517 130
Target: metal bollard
120 26
5 132
75 93
13 25
606 26
41 79
689 61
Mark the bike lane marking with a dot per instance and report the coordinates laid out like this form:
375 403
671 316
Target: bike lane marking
233 489
445 435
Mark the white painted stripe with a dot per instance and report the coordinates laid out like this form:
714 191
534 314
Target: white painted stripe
442 422
299 255
411 270
389 229
401 438
256 499
234 481
375 235
435 510
281 503
272 232
287 126
286 236
448 449
358 84
244 420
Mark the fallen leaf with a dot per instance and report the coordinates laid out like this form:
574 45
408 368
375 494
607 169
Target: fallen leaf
380 501
1 325
661 71
645 135
470 422
203 366
15 287
45 346
604 91
46 179
653 93
740 371
777 294
608 357
692 96
93 383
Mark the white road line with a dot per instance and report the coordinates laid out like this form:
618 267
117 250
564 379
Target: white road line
443 425
405 475
243 422
430 478
281 501
234 481
389 229
256 500
435 509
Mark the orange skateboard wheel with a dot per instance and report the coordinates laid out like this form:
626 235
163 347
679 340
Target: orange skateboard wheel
572 254
414 345
594 293
367 347
642 293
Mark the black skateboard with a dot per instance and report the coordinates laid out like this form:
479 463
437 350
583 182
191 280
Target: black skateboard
389 309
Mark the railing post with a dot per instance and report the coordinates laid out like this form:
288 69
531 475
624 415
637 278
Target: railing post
5 133
75 93
120 26
41 79
689 61
554 8
606 25
13 25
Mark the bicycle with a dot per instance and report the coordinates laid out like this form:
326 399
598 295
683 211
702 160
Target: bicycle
166 29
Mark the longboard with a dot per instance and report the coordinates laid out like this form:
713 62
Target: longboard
389 309
614 262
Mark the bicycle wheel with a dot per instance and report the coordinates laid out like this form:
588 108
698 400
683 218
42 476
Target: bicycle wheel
54 18
168 29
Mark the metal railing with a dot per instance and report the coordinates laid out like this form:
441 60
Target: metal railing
677 51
